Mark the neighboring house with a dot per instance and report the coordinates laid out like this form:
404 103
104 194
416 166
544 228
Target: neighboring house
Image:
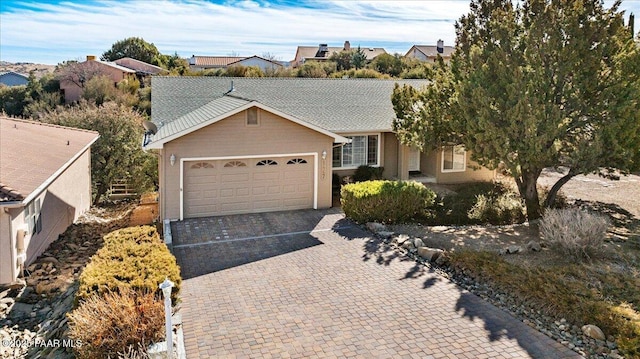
430 53
142 68
201 63
323 52
45 184
246 145
75 75
11 78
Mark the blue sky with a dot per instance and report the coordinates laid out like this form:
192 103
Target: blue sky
51 31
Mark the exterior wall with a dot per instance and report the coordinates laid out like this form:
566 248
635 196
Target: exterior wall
471 174
7 250
66 198
73 92
390 155
262 64
232 137
428 163
13 79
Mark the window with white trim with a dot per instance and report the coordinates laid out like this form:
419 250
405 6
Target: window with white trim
363 150
33 217
454 159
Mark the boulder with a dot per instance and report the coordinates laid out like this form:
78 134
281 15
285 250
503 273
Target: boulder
442 259
534 246
401 238
376 227
593 331
430 254
407 245
418 243
513 249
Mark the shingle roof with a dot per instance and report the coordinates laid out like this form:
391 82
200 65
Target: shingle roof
139 66
336 105
214 61
309 52
432 50
31 152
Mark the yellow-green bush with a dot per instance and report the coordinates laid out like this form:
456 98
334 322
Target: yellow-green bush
134 258
385 201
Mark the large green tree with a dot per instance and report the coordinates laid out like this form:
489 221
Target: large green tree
117 154
133 47
547 83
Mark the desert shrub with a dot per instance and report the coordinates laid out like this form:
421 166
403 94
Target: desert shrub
113 323
132 257
385 201
497 208
575 233
367 173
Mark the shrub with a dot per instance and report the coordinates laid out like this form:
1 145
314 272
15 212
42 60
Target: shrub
497 208
575 233
367 173
385 201
115 322
134 258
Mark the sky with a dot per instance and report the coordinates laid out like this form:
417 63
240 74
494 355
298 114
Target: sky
52 31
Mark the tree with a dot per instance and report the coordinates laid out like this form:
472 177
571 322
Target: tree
133 47
342 59
78 73
388 64
117 154
358 58
13 99
551 83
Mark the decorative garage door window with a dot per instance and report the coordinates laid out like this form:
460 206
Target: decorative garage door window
202 165
267 163
296 161
235 164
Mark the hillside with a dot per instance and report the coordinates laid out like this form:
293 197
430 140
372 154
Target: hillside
25 68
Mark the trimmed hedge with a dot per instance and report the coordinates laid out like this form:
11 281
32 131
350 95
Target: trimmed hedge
385 201
133 258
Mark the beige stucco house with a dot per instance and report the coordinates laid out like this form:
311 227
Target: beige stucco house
242 145
74 77
201 63
429 53
45 184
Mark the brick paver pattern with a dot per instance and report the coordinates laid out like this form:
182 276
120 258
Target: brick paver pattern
333 292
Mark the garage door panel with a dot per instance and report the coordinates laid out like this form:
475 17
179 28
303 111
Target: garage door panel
232 190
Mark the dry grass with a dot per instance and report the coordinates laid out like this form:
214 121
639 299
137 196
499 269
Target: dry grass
575 233
111 324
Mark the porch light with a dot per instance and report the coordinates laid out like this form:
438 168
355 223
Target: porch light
324 154
172 159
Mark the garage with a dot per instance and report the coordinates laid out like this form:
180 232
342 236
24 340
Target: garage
222 186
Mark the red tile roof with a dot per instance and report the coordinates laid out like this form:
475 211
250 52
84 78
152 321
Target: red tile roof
32 152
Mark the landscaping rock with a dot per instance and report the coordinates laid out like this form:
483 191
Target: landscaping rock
593 331
513 249
376 227
442 259
17 284
534 246
385 234
430 254
401 239
407 245
49 260
418 243
21 310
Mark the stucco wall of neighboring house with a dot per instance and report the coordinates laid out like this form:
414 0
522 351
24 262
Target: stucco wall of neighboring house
262 64
7 250
62 203
390 155
73 92
473 173
232 137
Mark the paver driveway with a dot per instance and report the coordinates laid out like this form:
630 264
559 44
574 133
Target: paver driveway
312 284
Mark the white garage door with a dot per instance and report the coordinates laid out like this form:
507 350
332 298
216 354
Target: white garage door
219 187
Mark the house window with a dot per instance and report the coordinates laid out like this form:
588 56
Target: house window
454 159
33 217
252 117
202 165
267 163
295 161
363 150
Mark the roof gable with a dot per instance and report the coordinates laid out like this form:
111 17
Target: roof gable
32 152
432 50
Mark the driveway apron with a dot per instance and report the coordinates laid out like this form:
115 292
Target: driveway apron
310 283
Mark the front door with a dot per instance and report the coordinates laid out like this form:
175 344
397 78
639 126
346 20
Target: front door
414 159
